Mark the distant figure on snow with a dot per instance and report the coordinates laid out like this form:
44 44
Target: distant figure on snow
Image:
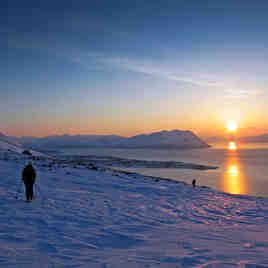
194 182
28 177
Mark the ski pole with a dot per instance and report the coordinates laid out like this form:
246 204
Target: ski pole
40 192
38 188
19 191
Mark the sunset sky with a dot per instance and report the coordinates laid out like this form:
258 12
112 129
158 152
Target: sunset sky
130 67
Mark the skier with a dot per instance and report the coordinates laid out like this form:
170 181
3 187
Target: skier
28 177
194 183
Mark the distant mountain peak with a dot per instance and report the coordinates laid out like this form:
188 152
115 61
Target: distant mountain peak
165 139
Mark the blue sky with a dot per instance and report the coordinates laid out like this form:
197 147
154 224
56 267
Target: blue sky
127 67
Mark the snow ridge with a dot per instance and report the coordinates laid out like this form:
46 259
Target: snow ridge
10 144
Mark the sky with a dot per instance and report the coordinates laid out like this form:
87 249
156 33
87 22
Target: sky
131 67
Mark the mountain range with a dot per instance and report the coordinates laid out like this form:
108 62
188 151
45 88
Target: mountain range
245 139
179 139
260 138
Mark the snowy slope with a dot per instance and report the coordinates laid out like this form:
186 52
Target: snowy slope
102 218
8 144
10 147
10 140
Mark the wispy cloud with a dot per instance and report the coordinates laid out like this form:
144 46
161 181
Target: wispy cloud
230 91
102 61
155 69
234 93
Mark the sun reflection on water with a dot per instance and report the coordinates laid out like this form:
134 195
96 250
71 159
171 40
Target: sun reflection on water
233 179
232 146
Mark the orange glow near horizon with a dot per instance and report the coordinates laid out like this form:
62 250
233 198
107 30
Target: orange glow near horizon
205 127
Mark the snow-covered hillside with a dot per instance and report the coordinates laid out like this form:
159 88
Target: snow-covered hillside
85 216
10 140
163 139
9 144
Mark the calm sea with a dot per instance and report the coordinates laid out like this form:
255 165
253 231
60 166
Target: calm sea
243 168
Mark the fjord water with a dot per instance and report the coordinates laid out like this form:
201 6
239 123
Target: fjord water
242 169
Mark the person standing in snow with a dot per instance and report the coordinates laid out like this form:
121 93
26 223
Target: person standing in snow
28 177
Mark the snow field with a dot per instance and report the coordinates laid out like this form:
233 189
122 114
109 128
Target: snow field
104 218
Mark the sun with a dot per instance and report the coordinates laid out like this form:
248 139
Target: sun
232 126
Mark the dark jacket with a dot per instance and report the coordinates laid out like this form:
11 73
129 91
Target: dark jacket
29 174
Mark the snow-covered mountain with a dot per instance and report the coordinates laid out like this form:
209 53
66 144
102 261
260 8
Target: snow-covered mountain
11 144
10 140
163 139
73 141
166 139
